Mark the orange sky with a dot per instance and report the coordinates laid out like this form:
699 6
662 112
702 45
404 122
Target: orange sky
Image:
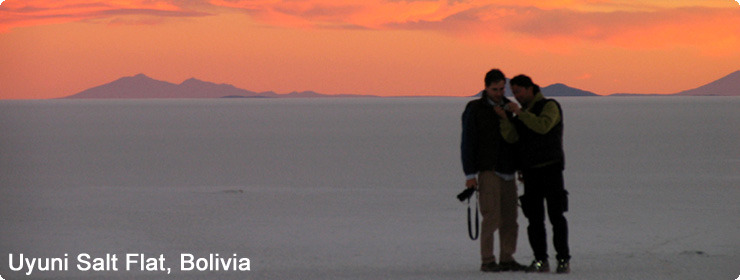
384 47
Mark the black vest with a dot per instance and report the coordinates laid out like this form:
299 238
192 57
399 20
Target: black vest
536 149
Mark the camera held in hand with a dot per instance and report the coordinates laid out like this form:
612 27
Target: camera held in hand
466 194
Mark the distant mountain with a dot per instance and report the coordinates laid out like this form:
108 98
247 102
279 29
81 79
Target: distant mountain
194 88
554 90
636 94
142 86
563 90
726 86
139 86
305 94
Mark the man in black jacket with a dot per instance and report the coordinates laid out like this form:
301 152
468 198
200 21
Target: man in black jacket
537 128
488 165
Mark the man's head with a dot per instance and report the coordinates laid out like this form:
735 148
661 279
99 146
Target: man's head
495 82
524 89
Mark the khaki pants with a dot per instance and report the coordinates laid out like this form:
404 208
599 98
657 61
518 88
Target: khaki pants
498 206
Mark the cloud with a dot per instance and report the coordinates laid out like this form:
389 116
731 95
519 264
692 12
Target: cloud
38 12
598 26
555 26
372 14
535 24
709 29
585 76
705 28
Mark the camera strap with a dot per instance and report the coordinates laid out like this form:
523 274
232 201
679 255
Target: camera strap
477 224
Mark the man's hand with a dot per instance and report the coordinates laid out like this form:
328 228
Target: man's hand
514 108
471 183
500 112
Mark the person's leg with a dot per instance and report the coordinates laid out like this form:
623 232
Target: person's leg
489 199
509 230
534 209
557 204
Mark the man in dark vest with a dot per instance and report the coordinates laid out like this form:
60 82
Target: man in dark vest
488 165
537 130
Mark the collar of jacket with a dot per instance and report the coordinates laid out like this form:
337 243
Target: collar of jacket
484 96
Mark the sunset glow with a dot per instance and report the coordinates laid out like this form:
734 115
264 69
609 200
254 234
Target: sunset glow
52 49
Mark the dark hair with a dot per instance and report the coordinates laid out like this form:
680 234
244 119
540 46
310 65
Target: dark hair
494 76
524 81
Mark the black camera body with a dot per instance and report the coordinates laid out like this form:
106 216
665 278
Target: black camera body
466 194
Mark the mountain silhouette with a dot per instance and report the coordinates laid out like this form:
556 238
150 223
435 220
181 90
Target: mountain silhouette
563 90
726 86
139 86
142 86
194 88
553 90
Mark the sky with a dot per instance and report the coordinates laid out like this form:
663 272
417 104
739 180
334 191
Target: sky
51 49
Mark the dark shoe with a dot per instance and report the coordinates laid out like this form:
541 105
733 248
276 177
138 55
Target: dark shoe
490 267
539 266
511 266
563 266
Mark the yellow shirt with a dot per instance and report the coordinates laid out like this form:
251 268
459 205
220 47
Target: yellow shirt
541 124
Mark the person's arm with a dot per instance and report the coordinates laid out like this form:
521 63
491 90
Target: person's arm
508 131
467 147
543 123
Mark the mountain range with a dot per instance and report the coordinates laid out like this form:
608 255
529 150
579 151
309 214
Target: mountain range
142 86
726 86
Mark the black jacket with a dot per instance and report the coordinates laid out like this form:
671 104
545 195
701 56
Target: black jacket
482 147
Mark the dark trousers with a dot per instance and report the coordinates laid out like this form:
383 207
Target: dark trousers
546 185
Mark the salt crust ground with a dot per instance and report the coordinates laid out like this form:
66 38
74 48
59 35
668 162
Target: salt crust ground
356 188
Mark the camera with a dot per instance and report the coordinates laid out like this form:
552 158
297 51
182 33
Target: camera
466 194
